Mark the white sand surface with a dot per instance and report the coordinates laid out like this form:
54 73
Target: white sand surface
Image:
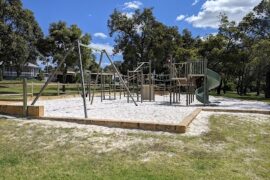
159 111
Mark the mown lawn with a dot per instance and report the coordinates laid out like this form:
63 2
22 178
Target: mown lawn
234 148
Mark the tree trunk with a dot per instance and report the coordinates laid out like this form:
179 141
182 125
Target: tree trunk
64 80
1 74
18 73
219 88
258 87
267 88
224 87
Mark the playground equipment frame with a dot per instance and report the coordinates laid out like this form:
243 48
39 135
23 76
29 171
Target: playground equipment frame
79 44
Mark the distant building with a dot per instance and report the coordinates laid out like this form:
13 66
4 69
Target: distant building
29 70
70 77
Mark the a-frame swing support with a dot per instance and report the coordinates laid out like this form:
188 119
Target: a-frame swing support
82 75
116 70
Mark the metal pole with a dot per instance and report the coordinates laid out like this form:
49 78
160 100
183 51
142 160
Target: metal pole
82 80
89 87
120 77
50 78
25 97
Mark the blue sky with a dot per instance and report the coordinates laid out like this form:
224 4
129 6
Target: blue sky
199 16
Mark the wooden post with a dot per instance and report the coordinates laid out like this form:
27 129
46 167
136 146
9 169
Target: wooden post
58 88
150 82
110 83
114 82
137 82
32 89
82 80
205 85
101 85
128 85
25 97
142 82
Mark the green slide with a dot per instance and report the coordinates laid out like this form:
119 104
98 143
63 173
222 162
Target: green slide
213 81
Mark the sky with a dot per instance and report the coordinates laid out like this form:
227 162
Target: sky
201 17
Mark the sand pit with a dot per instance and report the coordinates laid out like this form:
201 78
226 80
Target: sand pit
154 112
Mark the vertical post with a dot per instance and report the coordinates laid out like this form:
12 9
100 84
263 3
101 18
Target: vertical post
110 83
128 85
120 88
58 88
142 82
114 82
25 97
150 82
89 90
171 76
137 85
206 98
101 85
32 89
82 80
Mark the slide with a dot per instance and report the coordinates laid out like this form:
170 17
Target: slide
213 81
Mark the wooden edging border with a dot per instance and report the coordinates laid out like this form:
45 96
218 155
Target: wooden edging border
176 128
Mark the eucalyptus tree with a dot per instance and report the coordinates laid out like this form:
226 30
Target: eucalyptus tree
60 41
19 35
142 38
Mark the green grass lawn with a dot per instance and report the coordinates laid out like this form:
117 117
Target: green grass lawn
250 96
9 91
233 149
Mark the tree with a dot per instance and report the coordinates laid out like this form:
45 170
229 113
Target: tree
142 38
187 47
60 40
261 54
19 34
255 27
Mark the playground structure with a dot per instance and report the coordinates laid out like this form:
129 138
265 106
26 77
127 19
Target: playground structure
187 80
196 80
191 78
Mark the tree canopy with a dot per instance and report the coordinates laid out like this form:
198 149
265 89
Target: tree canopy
19 34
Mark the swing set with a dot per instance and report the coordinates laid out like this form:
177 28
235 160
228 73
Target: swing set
103 53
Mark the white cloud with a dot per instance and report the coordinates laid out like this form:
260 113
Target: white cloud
101 46
209 16
195 2
180 17
133 5
100 35
128 14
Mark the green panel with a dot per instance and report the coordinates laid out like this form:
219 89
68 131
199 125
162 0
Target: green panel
213 81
